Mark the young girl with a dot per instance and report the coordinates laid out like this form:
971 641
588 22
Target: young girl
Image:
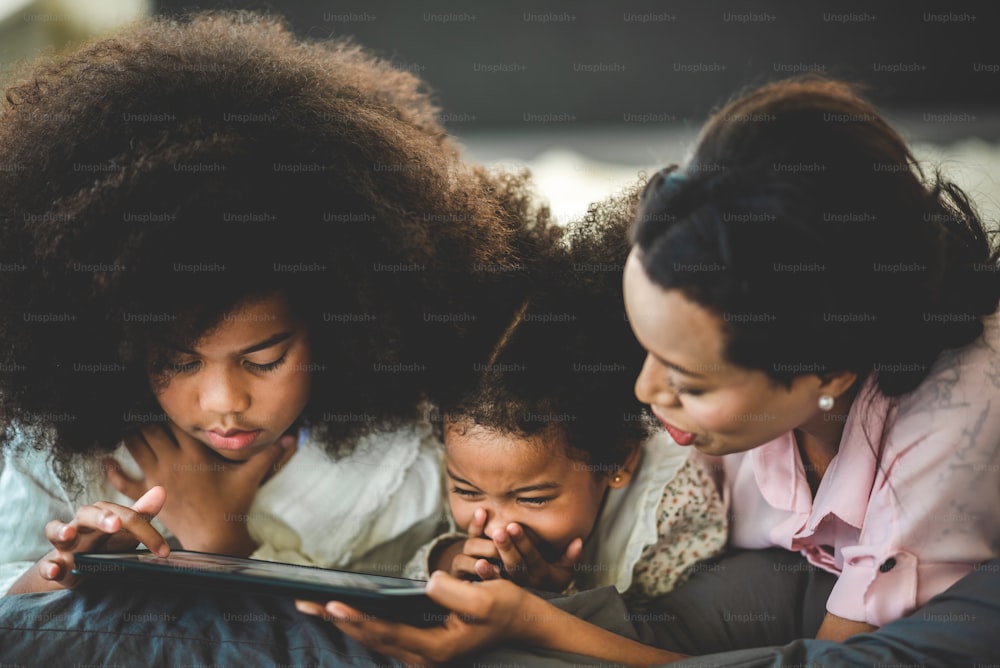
223 242
552 468
821 316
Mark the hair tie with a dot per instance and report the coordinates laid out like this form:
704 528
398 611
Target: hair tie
671 178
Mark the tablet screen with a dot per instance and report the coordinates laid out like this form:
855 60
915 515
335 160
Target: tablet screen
204 563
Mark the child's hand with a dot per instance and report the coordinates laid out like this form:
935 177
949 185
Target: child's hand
210 497
479 558
526 566
102 527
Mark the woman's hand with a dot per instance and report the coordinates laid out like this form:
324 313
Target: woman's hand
483 614
210 497
101 527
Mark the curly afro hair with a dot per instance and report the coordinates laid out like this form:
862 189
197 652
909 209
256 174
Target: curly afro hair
154 180
565 363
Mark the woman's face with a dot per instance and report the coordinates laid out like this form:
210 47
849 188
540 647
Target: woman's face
244 383
700 398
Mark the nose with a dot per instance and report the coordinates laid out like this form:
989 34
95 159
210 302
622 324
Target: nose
222 392
496 519
652 386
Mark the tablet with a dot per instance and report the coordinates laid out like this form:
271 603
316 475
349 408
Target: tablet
398 599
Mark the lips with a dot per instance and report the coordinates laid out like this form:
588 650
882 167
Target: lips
680 437
233 439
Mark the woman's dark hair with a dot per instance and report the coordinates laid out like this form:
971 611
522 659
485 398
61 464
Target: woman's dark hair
565 360
805 223
155 180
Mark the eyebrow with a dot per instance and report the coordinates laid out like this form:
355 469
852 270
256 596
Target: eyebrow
263 345
542 486
676 367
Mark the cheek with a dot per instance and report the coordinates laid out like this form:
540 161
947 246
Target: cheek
171 399
558 526
461 511
717 414
290 394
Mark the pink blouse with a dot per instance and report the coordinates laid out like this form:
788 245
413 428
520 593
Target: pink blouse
901 529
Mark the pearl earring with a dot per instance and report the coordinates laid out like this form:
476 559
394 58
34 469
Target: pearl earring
825 402
618 477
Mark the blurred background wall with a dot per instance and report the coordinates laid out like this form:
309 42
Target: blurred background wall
589 93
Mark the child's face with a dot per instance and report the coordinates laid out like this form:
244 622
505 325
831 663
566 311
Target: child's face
245 383
528 481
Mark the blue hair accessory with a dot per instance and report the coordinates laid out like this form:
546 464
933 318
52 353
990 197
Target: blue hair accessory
673 176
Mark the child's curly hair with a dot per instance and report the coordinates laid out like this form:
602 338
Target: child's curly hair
566 359
155 180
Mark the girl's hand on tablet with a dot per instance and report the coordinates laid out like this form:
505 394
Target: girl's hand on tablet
101 527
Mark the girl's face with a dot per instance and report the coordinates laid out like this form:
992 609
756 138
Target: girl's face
530 481
244 383
701 399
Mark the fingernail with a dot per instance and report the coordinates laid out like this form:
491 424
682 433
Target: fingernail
513 529
306 607
108 522
337 611
64 532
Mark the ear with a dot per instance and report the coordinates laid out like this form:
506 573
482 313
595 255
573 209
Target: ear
623 476
837 383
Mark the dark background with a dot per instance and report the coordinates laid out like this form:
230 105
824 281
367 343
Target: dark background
551 49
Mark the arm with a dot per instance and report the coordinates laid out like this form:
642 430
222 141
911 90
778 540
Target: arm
839 629
30 496
486 614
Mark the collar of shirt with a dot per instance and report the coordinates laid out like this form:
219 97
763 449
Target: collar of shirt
847 484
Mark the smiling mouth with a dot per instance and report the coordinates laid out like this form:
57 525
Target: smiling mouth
680 436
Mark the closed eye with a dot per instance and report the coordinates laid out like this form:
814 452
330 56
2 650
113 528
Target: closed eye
465 493
536 500
185 367
270 366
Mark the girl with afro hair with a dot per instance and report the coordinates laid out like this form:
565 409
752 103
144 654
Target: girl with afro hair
230 255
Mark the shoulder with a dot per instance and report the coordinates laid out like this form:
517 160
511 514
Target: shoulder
958 402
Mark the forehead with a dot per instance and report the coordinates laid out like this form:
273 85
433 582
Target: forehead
248 323
671 326
480 451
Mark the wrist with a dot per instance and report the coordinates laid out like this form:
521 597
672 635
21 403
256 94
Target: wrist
537 624
443 554
32 581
